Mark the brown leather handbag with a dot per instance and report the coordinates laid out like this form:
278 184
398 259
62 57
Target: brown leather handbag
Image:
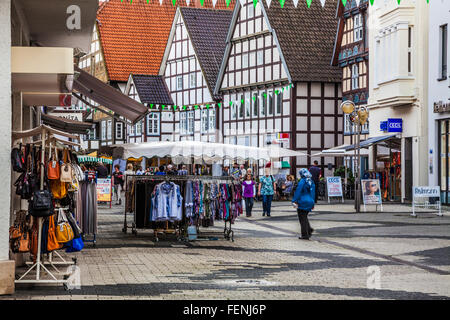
23 244
53 170
52 244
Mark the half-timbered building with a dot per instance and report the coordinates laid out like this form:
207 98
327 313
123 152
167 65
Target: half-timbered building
277 80
351 53
190 67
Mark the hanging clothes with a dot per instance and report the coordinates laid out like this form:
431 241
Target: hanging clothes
167 202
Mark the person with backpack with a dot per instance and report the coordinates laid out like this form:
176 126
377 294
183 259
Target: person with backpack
267 189
304 202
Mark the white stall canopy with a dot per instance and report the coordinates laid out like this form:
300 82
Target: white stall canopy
183 151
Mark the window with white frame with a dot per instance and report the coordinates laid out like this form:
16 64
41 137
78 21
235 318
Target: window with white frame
259 58
358 27
245 60
355 77
251 11
193 80
279 104
443 52
212 120
270 106
347 124
153 124
204 120
138 128
109 130
241 107
263 108
91 134
183 122
119 130
233 111
255 101
103 130
410 43
247 105
190 127
180 83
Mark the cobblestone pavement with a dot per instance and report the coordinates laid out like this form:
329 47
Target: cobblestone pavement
267 260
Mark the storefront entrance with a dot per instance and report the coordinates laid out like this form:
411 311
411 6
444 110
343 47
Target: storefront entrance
444 142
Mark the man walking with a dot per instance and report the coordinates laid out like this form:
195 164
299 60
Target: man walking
316 175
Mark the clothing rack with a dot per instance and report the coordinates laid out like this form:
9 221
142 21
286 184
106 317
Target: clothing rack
41 263
228 232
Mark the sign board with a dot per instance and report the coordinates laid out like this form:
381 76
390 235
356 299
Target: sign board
426 192
334 188
104 190
76 116
371 191
392 125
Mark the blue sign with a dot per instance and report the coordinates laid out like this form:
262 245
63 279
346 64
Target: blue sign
395 125
392 125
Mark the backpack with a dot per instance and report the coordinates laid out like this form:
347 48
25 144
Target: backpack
18 159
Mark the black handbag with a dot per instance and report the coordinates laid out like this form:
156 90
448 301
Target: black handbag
18 159
42 204
73 223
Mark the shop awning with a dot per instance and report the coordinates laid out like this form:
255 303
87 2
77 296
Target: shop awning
371 141
94 159
38 131
67 125
208 152
109 97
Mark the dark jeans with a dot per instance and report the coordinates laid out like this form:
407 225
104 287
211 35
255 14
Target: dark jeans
248 206
316 196
267 204
304 223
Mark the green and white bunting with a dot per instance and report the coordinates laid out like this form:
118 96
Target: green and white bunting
255 2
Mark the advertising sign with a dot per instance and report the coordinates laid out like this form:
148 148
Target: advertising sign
371 191
425 192
104 190
334 186
430 197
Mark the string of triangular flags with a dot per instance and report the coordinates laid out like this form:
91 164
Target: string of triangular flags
218 105
255 2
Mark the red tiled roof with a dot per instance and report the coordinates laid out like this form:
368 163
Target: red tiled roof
134 35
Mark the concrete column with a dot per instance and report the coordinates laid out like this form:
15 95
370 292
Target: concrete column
6 266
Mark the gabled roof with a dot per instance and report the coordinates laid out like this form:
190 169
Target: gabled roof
306 38
152 89
134 35
209 46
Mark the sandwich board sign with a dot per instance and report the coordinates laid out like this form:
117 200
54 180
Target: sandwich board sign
421 198
334 188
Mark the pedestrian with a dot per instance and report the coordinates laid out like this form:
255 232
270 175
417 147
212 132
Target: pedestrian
316 174
147 171
183 171
139 171
225 172
303 201
161 171
236 172
243 172
118 184
128 172
266 189
248 186
102 171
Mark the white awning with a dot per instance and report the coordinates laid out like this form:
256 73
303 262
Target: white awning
208 152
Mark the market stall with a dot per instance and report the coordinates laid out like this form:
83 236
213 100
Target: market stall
199 200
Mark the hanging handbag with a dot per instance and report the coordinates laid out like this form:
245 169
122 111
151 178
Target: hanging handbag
73 223
34 236
64 232
53 169
52 242
75 245
66 169
42 204
58 188
18 159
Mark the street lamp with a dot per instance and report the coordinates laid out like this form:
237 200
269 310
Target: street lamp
358 115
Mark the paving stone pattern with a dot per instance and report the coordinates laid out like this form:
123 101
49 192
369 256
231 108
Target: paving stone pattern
267 260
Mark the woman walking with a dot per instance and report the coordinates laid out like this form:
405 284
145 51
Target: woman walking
303 201
266 189
249 193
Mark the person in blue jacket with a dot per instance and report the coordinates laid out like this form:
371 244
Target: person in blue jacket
303 201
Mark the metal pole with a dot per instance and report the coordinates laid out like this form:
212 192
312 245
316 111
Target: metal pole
358 165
